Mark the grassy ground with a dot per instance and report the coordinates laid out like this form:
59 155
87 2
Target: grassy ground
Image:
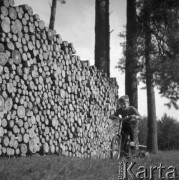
53 167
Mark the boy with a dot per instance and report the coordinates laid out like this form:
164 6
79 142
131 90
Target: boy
130 115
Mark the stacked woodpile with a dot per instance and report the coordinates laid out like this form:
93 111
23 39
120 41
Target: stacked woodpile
50 100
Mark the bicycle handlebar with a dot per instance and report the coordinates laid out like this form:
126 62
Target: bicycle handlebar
121 119
117 118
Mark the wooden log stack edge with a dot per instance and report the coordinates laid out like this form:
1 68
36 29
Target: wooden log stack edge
51 101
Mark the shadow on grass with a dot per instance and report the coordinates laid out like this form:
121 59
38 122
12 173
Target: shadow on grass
53 167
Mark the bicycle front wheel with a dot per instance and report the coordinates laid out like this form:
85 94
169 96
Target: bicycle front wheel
116 147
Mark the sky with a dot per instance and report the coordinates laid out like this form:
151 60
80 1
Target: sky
75 22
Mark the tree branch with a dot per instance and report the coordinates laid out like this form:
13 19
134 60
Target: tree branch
111 31
50 5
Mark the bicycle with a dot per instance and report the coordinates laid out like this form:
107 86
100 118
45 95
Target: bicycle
121 144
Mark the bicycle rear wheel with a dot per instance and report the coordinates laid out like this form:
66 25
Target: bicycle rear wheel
116 147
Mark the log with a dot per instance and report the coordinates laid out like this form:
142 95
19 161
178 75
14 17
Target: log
11 123
17 27
3 58
23 149
10 46
19 71
5 26
19 137
11 3
48 91
30 11
10 87
20 123
50 35
25 138
12 13
1 71
17 151
32 146
4 11
21 111
25 29
45 148
15 144
15 129
41 24
8 104
1 103
1 131
4 3
19 14
4 150
26 15
6 141
16 56
2 48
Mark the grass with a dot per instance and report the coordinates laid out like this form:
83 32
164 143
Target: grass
54 167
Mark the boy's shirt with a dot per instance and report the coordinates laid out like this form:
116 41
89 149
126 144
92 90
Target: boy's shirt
127 112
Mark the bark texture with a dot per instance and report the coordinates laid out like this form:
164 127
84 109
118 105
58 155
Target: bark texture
102 36
131 54
152 144
52 15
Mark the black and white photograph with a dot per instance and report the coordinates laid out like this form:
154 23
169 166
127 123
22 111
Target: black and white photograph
89 89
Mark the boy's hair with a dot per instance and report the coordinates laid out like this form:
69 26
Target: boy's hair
124 98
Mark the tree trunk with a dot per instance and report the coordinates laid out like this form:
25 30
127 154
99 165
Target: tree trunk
52 15
102 46
131 54
108 39
152 145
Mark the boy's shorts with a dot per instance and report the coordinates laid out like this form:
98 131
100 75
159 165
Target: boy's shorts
131 127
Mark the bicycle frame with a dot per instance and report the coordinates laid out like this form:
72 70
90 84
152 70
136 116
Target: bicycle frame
120 127
123 136
124 140
126 146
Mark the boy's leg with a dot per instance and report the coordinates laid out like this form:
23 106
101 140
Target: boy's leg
131 128
125 126
133 125
126 131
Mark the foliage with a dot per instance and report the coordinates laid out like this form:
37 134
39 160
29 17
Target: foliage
143 131
168 132
62 1
53 12
163 25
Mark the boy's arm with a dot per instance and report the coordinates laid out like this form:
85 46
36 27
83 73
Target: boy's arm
112 117
115 115
136 114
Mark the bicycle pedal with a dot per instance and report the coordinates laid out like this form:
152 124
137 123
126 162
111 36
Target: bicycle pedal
132 143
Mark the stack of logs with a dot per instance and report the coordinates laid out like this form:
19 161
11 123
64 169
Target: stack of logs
50 100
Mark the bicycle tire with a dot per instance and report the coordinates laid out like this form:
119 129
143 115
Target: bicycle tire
116 147
131 150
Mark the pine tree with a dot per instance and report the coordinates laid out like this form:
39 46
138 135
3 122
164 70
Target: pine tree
102 36
131 54
53 12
